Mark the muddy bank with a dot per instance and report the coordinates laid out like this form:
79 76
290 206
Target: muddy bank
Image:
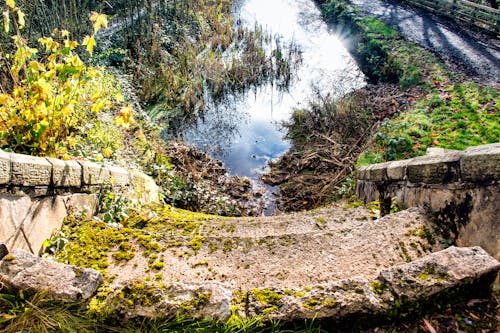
328 138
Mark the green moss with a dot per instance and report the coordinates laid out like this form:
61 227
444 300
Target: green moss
196 243
404 252
227 246
299 294
200 263
157 265
330 303
311 304
267 296
378 287
122 255
321 220
9 257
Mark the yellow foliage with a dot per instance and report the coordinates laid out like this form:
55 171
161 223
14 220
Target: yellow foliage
53 94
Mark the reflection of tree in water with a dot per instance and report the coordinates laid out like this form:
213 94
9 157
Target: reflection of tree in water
218 128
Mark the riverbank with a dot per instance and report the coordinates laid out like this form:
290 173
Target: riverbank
420 100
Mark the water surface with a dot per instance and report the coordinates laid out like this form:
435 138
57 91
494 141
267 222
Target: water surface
246 133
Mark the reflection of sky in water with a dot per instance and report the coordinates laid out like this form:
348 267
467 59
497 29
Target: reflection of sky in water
246 134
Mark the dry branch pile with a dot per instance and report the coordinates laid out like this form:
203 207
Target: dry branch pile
327 139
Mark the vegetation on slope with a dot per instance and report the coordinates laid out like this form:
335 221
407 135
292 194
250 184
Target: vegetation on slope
416 102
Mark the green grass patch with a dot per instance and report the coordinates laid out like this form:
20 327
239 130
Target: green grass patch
455 117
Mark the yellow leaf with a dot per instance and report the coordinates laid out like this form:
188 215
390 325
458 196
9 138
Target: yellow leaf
6 21
98 21
119 97
10 3
107 152
90 43
20 19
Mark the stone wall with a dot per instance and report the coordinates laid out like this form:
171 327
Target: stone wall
37 193
461 190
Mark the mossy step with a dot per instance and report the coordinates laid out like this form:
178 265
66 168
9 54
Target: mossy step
293 259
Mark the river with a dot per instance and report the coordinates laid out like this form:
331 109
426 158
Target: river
246 133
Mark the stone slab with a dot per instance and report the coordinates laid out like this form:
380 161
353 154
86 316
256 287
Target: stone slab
143 188
94 174
140 299
30 170
335 300
396 170
377 172
434 169
481 163
119 176
433 274
21 270
4 168
46 219
66 173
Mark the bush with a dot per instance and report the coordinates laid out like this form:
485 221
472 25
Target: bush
51 92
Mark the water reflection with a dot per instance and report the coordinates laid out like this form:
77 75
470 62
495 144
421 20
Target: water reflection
246 133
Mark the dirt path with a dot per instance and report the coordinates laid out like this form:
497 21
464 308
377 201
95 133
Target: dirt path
478 52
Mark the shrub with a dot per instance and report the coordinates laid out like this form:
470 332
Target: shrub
51 91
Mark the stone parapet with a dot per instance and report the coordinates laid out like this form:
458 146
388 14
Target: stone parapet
461 189
37 193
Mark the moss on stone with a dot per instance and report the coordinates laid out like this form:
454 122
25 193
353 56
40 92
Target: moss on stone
378 287
9 257
267 296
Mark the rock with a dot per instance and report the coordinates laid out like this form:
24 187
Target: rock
142 299
23 271
65 173
94 174
461 270
337 300
4 167
30 170
481 163
434 169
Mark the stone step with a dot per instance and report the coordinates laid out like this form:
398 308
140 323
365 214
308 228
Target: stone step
269 256
331 218
441 278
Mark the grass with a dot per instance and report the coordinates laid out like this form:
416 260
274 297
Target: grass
40 314
453 117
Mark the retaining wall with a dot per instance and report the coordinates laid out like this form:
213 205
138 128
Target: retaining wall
37 193
460 189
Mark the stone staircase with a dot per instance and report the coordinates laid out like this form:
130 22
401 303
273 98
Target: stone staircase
340 263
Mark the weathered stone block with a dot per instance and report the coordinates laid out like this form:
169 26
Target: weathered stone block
4 167
23 271
143 188
13 211
361 172
81 203
119 176
66 173
481 163
210 300
434 169
94 174
377 172
45 220
396 170
30 170
337 300
450 269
